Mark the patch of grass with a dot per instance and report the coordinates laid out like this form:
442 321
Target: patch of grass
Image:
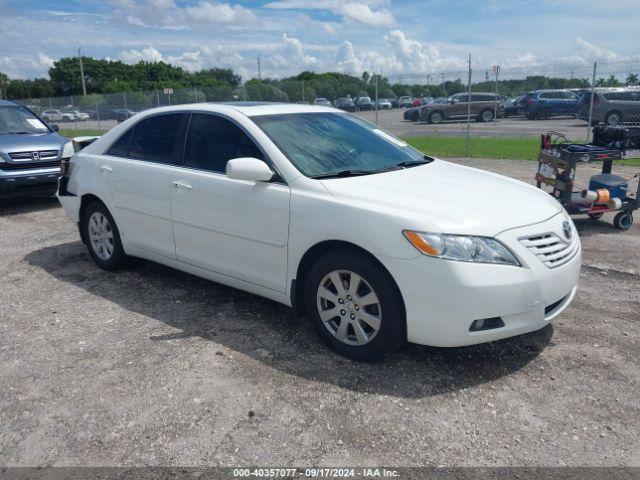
520 148
80 132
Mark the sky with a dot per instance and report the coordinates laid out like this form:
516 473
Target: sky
393 37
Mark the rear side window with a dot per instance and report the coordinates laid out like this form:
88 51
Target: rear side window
623 96
153 139
213 140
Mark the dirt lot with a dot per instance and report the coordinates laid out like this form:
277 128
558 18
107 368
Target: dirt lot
151 366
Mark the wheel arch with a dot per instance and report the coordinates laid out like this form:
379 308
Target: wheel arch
314 253
85 201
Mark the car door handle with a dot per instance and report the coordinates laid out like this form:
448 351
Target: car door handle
182 185
106 169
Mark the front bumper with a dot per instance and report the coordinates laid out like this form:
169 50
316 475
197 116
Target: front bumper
26 183
442 298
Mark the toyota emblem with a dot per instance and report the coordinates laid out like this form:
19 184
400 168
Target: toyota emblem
566 229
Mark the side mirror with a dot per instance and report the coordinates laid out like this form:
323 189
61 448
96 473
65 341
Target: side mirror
55 127
250 169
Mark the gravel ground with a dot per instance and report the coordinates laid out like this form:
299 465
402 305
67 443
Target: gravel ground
151 366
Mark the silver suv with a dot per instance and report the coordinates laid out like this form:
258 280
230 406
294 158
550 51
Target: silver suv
611 106
30 152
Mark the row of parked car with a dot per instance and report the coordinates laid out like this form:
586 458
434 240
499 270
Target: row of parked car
358 104
70 114
611 106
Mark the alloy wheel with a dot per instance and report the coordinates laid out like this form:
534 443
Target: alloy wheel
101 235
349 307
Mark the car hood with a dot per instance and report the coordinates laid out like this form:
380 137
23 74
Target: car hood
26 143
444 197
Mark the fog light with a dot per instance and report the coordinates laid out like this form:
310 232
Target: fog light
486 324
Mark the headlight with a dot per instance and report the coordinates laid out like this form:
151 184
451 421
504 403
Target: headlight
461 247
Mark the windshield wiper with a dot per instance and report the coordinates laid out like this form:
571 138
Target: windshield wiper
414 163
16 133
343 173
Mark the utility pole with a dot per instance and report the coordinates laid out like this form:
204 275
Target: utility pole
259 72
443 87
496 70
84 87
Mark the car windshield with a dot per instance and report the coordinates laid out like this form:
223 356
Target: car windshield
16 119
327 144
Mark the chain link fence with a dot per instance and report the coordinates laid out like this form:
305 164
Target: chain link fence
470 108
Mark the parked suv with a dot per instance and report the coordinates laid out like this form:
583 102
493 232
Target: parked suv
30 152
483 108
542 104
611 106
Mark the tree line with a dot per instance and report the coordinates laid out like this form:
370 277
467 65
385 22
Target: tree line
104 78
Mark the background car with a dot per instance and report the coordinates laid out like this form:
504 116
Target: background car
80 116
405 102
346 104
322 102
514 107
394 103
412 114
542 104
611 106
55 115
384 104
483 107
364 103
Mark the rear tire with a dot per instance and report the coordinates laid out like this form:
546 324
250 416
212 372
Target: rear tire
354 306
623 220
612 119
102 237
486 116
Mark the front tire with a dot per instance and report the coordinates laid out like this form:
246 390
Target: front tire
355 306
436 118
102 237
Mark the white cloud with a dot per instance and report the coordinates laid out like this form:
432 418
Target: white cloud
220 13
167 14
414 56
148 54
590 51
360 11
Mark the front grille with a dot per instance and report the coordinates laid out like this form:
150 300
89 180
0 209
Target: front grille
29 165
44 154
551 249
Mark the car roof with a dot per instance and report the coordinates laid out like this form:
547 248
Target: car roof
249 109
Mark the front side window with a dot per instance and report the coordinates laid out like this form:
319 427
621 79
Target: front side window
16 119
152 139
213 140
321 144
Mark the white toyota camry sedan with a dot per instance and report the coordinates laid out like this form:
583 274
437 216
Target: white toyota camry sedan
320 210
